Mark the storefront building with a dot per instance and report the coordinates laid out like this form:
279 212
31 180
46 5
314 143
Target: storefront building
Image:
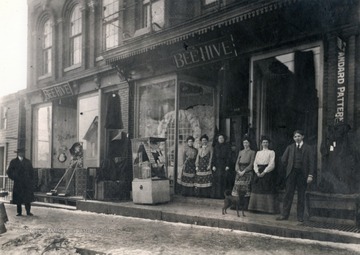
12 122
185 68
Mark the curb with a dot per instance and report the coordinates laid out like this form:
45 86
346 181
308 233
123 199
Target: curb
270 228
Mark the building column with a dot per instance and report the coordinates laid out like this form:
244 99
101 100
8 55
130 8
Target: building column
84 33
90 37
60 47
351 59
28 126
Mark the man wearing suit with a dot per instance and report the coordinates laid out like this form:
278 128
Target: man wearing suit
22 173
299 161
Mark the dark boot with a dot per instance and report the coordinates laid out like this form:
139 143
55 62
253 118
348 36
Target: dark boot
18 209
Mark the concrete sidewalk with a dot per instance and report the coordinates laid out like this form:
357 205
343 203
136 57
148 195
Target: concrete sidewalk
207 212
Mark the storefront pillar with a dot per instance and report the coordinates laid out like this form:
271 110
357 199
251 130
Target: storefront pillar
60 71
351 81
28 126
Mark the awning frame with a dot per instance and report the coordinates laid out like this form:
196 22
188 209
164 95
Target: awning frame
193 28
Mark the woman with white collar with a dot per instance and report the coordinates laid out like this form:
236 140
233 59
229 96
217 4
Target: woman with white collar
263 191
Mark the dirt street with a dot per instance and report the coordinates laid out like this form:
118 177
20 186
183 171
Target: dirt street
60 231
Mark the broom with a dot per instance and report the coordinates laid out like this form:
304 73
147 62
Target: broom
67 186
53 192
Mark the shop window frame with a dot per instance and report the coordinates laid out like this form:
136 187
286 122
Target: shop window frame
48 162
174 127
97 118
151 81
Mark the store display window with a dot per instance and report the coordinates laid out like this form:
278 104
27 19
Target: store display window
158 117
149 158
156 112
196 117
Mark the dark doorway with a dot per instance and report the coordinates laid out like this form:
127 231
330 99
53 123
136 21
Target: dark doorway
286 98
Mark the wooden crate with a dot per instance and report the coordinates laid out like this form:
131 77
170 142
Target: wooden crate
334 208
111 190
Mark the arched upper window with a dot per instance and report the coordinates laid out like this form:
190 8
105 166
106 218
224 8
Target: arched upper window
111 23
75 36
46 48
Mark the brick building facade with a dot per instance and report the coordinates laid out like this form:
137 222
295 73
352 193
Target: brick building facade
256 67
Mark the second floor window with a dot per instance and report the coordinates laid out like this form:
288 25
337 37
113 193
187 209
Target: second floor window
111 23
206 2
46 48
75 36
153 12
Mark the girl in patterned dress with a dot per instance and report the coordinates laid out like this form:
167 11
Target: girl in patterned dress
203 176
244 170
188 174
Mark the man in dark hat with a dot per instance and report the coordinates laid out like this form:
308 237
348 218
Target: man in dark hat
22 173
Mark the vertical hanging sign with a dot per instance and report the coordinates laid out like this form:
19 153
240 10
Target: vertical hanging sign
341 81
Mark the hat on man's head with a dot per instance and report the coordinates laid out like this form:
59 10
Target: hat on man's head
20 150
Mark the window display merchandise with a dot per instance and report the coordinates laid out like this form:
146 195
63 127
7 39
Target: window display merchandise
150 184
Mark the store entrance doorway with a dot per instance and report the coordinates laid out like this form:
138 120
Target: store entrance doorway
286 97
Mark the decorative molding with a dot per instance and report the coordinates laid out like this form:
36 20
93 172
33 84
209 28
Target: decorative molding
99 58
76 66
92 5
97 81
45 76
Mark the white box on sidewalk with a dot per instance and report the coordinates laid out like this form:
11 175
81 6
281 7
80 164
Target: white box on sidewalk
150 191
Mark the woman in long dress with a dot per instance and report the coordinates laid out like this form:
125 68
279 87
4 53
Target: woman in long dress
203 176
220 166
244 171
188 174
263 186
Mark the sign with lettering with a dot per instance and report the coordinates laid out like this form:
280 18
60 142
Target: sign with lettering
341 81
57 91
217 49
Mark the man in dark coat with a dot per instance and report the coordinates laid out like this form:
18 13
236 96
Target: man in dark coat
299 162
22 173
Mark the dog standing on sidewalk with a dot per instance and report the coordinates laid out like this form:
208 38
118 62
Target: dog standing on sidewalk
232 200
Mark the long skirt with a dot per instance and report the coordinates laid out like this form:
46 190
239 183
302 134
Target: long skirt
188 178
263 193
242 183
203 178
